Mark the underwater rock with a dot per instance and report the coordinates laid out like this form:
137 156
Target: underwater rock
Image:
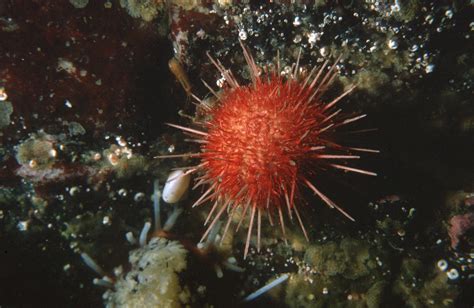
372 50
153 279
107 71
65 69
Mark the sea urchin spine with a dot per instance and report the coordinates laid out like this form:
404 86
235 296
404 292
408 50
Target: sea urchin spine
263 140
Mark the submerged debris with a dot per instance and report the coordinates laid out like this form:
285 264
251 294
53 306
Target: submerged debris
266 288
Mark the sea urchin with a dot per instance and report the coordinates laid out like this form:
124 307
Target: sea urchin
265 140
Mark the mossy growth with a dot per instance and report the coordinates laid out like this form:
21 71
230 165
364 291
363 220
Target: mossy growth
38 151
324 292
341 274
129 167
349 258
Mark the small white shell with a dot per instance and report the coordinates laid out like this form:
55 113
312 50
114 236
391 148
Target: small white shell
176 186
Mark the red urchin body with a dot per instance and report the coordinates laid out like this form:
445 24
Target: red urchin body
265 140
259 141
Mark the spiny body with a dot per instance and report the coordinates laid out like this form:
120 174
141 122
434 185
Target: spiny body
265 140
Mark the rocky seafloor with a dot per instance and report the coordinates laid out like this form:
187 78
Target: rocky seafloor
85 92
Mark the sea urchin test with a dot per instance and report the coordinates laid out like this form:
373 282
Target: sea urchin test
264 141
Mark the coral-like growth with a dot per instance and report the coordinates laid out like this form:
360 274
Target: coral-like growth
265 139
153 279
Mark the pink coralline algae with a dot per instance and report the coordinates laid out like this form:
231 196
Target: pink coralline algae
460 224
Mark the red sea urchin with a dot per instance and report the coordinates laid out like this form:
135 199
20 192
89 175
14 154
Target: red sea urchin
264 140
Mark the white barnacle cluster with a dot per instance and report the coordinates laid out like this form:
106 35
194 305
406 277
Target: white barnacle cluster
451 273
153 280
116 153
